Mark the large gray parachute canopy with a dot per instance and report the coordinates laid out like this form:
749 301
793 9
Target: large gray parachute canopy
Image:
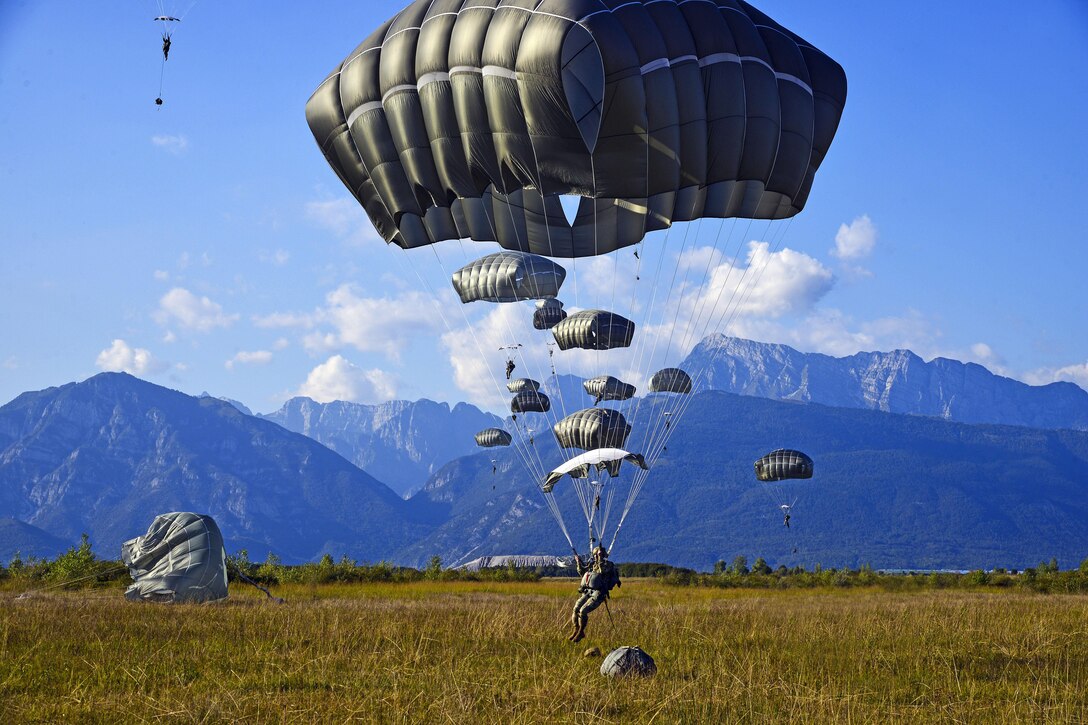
530 401
519 384
509 277
628 661
670 380
600 459
465 119
180 559
594 330
492 437
783 463
548 314
606 387
592 428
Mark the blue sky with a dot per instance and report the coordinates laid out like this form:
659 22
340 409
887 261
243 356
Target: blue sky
205 245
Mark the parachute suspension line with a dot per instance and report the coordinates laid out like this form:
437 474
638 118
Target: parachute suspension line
525 459
731 310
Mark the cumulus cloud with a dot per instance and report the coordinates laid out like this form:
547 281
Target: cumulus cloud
254 357
1076 373
856 239
175 144
338 379
344 218
376 324
180 306
120 357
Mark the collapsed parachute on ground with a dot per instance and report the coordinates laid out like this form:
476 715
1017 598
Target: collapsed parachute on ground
180 559
492 437
670 380
606 387
509 277
592 428
530 401
594 330
548 314
519 384
782 464
602 459
628 661
462 120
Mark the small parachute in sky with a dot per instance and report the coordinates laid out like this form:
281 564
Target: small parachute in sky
180 559
670 380
782 464
530 401
548 314
594 330
509 277
606 387
592 428
601 459
519 384
492 437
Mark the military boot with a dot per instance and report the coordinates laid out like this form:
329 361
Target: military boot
580 633
574 623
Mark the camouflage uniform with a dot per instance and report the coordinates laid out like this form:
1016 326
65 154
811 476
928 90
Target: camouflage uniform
598 578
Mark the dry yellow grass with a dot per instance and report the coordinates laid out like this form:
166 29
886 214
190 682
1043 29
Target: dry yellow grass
489 652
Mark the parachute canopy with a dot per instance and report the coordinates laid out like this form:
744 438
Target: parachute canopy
606 387
180 559
465 119
530 401
670 380
519 384
628 661
492 437
592 428
548 314
508 277
601 459
594 330
783 463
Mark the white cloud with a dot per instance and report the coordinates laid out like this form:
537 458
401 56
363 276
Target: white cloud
384 324
339 379
119 357
281 344
344 218
255 357
181 306
855 240
11 363
1076 373
161 275
169 336
175 144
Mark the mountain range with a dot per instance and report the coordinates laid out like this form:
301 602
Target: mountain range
894 382
401 443
105 455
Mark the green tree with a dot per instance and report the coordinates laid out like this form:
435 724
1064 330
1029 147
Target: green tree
434 568
761 566
740 565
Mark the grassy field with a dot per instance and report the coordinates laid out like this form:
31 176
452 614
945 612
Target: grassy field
438 652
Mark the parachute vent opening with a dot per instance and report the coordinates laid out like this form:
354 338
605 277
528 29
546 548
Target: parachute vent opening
570 203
